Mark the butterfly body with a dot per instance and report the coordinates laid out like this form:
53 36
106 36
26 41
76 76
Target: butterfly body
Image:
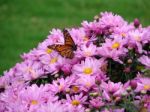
66 50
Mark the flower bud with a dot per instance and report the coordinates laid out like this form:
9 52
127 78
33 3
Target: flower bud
67 90
87 110
129 61
94 94
133 84
56 75
129 89
127 70
117 99
143 92
124 94
96 18
136 23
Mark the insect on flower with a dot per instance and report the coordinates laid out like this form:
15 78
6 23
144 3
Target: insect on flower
66 50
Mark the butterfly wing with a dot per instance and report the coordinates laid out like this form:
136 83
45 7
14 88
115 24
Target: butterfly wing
58 48
67 49
63 50
68 53
68 38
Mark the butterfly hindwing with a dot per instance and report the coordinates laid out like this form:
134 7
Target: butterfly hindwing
67 53
68 38
59 48
64 50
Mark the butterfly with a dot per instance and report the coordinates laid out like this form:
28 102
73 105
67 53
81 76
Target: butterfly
66 50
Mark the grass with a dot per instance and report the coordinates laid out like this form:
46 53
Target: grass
25 23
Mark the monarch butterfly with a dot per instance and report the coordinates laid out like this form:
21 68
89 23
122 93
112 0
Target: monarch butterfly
67 49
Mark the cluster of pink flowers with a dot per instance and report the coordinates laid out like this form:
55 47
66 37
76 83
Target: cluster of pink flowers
109 71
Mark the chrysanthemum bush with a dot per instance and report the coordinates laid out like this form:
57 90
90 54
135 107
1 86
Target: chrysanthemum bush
109 71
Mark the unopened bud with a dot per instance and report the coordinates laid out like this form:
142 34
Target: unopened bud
88 110
143 92
67 90
127 70
129 61
94 94
124 94
96 18
130 48
117 99
133 84
136 23
56 75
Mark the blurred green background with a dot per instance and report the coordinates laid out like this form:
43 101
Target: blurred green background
25 23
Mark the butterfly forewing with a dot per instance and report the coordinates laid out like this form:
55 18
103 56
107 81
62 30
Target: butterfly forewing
68 38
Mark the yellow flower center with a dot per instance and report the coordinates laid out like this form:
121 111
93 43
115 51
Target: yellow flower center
88 53
87 71
75 88
116 45
137 38
61 87
88 84
34 102
75 102
32 72
146 87
85 38
123 34
53 60
49 51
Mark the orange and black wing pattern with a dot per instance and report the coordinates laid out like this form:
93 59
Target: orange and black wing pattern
68 39
65 50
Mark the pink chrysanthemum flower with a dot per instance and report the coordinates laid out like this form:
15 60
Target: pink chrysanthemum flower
43 47
143 85
76 100
10 100
109 19
123 30
90 66
32 55
71 108
145 60
17 106
92 26
8 78
61 85
146 101
135 39
53 107
146 35
41 50
2 106
29 70
35 96
56 37
86 82
51 63
31 97
113 110
97 102
112 89
113 49
79 36
87 50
